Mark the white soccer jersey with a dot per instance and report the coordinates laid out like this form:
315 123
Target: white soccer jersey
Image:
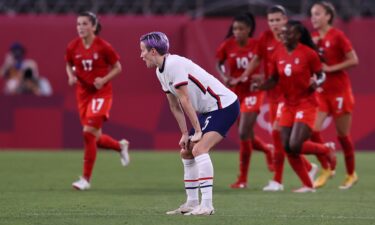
206 93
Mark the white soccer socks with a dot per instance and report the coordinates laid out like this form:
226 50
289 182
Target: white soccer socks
191 181
206 176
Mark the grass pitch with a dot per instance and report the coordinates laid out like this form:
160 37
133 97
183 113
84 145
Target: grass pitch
35 188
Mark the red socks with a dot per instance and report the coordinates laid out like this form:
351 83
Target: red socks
317 137
299 168
245 155
310 147
258 144
89 155
279 156
348 148
105 141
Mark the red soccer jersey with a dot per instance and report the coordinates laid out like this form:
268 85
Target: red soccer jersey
237 57
294 71
91 63
333 47
265 48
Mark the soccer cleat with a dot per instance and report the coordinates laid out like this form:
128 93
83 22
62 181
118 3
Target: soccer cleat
125 159
273 186
270 158
201 211
332 155
239 185
313 171
184 208
349 181
304 189
323 178
81 184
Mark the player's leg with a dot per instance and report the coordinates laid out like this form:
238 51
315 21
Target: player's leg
191 181
293 139
245 132
343 124
90 135
275 184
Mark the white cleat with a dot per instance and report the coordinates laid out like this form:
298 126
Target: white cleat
125 158
313 171
184 208
201 211
273 186
304 189
81 184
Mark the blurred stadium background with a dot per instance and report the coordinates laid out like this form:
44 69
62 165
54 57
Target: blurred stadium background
140 111
35 187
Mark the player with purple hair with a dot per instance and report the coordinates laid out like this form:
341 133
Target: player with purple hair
191 90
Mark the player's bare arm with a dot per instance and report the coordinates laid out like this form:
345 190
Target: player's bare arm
351 59
101 81
183 97
177 112
72 79
220 69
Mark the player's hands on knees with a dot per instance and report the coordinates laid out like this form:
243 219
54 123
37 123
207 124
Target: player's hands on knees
72 80
99 82
197 136
184 141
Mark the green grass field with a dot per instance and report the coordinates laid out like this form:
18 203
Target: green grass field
35 188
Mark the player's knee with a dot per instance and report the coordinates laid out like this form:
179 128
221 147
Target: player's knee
198 150
186 154
244 135
295 146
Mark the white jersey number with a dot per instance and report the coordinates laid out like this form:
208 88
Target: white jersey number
87 64
242 62
97 104
340 102
288 70
206 122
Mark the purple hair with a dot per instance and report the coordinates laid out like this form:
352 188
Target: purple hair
157 40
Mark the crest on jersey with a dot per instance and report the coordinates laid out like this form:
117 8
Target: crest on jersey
250 55
327 44
96 56
296 61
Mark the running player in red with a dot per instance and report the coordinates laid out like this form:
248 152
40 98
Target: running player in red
268 42
336 97
91 63
237 50
297 68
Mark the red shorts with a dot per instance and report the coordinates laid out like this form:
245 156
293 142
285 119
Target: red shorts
93 110
304 112
252 102
275 111
336 104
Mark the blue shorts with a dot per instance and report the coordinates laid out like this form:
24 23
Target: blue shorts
219 120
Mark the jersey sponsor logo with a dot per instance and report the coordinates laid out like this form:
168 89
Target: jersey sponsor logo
78 56
281 62
232 55
270 48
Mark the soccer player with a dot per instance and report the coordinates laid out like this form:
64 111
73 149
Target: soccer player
268 42
91 63
190 90
237 50
336 97
294 66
